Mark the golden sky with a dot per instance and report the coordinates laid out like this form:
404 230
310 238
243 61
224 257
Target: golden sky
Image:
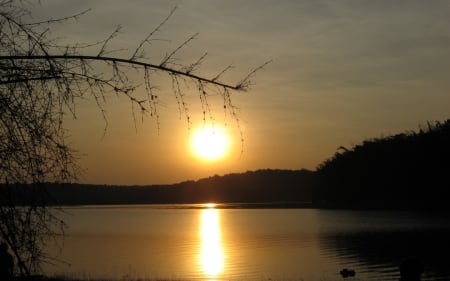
342 71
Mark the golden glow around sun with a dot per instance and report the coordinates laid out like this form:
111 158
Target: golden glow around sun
209 142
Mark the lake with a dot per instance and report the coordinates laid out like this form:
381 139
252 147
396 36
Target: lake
208 242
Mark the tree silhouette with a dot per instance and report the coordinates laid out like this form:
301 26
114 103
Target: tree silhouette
41 81
404 170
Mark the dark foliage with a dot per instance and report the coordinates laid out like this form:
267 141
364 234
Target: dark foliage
275 186
403 170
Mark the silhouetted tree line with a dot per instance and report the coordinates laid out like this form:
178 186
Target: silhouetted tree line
250 187
407 170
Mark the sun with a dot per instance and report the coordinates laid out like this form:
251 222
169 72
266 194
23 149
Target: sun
210 142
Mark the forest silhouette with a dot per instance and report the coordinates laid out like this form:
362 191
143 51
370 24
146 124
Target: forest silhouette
404 171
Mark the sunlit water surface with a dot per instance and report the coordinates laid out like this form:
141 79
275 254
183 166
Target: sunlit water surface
209 243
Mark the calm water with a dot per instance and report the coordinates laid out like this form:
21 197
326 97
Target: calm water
249 244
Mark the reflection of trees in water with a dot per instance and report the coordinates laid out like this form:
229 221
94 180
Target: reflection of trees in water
381 252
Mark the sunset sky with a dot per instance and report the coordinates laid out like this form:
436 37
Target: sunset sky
341 72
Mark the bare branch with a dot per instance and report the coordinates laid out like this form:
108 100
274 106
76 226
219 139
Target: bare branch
245 83
222 72
136 63
105 43
147 39
195 65
206 109
169 57
58 20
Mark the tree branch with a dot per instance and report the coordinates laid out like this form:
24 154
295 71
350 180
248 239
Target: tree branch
160 67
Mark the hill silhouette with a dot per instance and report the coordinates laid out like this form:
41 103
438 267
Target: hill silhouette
263 186
407 170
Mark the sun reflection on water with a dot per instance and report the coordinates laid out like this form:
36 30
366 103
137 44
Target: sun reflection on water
211 253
